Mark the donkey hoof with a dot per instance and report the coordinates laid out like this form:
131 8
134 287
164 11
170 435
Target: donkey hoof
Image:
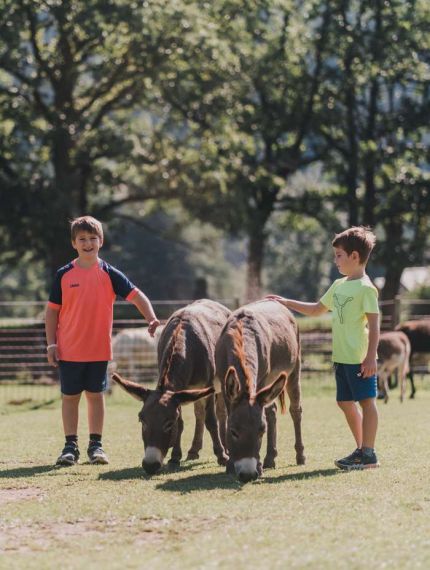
229 468
192 455
173 464
269 463
222 459
301 460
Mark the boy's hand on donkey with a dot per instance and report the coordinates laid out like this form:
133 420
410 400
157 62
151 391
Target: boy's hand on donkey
275 298
152 327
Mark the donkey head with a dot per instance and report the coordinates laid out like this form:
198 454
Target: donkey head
159 417
247 423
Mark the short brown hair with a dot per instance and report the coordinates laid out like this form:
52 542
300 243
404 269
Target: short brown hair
358 238
86 224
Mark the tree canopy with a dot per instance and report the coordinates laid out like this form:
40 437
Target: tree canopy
226 107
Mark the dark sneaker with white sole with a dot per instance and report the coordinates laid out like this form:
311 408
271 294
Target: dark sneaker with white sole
368 462
350 461
69 455
358 461
96 455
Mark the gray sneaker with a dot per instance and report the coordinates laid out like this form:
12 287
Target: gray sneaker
96 455
69 455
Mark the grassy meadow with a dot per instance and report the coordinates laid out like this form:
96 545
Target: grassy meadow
115 517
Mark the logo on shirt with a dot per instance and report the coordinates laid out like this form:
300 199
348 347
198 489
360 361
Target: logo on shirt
339 302
74 285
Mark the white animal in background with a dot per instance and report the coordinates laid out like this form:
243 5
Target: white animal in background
135 353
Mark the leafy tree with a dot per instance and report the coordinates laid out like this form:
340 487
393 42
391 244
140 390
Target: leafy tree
247 93
375 121
73 74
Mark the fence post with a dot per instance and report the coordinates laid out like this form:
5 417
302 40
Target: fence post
397 310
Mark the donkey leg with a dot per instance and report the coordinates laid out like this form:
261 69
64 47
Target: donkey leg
413 390
293 391
272 452
176 456
212 426
197 443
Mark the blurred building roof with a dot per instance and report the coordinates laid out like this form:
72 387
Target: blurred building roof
412 277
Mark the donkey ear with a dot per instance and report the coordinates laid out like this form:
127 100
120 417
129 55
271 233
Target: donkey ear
267 395
232 385
135 390
187 396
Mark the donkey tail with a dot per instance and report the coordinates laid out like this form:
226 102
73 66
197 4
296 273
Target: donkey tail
282 399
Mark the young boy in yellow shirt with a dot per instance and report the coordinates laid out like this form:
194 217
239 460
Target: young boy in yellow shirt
354 302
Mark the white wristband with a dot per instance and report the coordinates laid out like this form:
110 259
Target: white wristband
50 346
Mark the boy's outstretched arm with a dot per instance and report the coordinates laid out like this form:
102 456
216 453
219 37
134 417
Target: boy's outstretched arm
369 365
308 309
143 305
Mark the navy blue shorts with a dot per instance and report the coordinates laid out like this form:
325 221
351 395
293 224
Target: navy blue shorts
75 377
350 386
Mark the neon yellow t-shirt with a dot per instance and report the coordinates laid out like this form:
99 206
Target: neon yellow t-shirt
350 301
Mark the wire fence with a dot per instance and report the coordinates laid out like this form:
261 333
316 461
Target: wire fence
24 367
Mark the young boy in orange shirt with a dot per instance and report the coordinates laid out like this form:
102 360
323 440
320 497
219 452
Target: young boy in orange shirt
354 302
78 326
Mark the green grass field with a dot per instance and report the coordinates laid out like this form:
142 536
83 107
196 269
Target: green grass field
116 517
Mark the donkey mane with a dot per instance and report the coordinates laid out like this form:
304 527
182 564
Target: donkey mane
239 351
165 383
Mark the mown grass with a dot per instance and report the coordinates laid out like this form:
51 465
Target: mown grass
294 517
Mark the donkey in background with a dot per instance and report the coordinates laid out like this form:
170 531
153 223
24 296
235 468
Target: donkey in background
186 374
257 359
394 351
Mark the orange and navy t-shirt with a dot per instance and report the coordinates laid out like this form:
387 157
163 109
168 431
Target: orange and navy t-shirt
85 298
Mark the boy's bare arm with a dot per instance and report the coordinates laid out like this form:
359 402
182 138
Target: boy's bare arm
369 365
51 324
143 305
308 309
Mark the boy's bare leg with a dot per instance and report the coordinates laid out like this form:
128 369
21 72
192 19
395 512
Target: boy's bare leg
354 418
70 413
370 422
96 411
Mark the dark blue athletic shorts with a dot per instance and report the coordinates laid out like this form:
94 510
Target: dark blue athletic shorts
351 386
75 377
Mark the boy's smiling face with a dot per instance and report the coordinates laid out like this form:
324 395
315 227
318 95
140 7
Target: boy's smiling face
346 264
87 245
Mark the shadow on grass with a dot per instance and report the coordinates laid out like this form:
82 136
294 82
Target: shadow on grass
17 472
202 482
139 473
298 476
212 481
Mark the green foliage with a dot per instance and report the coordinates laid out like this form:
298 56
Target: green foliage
177 252
105 103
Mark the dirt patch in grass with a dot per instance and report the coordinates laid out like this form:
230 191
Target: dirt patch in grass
18 537
10 495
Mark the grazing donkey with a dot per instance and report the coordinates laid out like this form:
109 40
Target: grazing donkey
394 350
418 333
186 374
257 358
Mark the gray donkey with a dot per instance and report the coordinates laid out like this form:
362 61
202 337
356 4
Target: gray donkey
186 362
257 358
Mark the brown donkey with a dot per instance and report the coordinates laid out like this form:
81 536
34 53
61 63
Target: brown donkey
257 358
186 374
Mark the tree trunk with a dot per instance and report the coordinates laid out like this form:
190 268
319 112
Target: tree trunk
255 258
